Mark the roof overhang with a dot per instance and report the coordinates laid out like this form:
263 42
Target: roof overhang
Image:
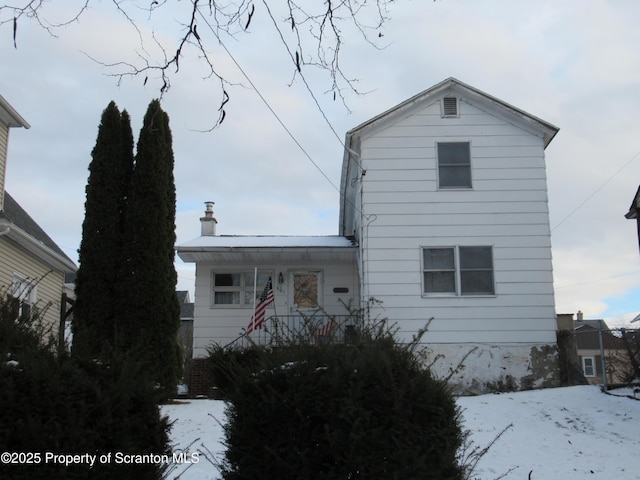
9 116
36 248
470 94
222 250
635 207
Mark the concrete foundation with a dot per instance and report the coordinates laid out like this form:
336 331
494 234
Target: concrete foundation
477 369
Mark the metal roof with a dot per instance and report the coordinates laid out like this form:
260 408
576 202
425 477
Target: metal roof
267 249
268 241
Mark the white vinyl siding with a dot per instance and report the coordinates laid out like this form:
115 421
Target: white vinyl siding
224 323
404 210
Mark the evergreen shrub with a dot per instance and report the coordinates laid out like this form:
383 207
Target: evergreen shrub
363 411
59 404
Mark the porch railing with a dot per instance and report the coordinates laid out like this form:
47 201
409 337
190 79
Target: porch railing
315 329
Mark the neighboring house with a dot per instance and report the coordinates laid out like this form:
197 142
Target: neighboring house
185 333
634 212
32 266
443 216
593 337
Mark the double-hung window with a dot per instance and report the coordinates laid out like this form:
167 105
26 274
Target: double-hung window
24 290
589 366
454 165
236 288
460 271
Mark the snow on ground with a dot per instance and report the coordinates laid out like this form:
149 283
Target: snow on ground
566 433
561 433
197 428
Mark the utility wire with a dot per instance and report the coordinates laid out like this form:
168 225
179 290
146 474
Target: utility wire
264 100
304 80
596 191
598 280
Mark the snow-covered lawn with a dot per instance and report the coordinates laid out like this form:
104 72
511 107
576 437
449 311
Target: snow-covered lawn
562 433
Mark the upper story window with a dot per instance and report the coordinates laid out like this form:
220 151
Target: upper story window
236 288
454 165
463 271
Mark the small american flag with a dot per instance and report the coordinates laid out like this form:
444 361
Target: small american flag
325 329
257 319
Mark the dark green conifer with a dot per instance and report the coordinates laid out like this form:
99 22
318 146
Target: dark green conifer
101 251
151 313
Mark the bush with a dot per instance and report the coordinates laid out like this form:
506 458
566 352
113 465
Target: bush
62 405
333 411
226 363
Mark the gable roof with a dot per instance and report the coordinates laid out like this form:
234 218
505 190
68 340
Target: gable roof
16 223
635 206
590 325
9 116
450 86
470 94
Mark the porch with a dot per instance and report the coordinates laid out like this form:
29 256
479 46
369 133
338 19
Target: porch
317 328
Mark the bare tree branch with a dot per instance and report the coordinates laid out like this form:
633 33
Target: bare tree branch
318 30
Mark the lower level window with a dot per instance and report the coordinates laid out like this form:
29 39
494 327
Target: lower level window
24 289
458 270
589 366
237 288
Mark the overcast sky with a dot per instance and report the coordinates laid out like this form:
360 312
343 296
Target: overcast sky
575 64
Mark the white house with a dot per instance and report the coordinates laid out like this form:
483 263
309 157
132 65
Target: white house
443 219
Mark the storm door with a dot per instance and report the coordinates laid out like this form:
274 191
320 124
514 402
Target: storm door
305 299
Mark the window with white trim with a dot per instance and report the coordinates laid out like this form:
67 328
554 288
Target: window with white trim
460 271
454 165
24 289
236 288
589 366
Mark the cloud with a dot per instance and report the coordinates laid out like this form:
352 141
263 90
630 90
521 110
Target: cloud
572 64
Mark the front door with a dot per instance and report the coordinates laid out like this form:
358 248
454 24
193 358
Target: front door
305 298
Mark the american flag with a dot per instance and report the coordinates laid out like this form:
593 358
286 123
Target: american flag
325 329
257 319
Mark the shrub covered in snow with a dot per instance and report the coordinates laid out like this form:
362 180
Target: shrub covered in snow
56 404
361 411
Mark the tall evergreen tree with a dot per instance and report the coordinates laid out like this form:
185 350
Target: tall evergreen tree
151 312
101 251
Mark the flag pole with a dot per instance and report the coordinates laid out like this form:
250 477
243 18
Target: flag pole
274 303
255 284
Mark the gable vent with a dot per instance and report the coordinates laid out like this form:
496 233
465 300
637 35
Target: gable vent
450 107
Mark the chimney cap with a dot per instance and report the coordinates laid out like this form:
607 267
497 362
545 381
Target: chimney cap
208 222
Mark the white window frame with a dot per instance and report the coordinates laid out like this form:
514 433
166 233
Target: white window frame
244 290
444 166
457 271
25 290
593 366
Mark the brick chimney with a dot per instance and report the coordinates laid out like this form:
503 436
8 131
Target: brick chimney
208 222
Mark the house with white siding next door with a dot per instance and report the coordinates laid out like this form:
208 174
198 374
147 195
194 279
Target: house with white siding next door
444 221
